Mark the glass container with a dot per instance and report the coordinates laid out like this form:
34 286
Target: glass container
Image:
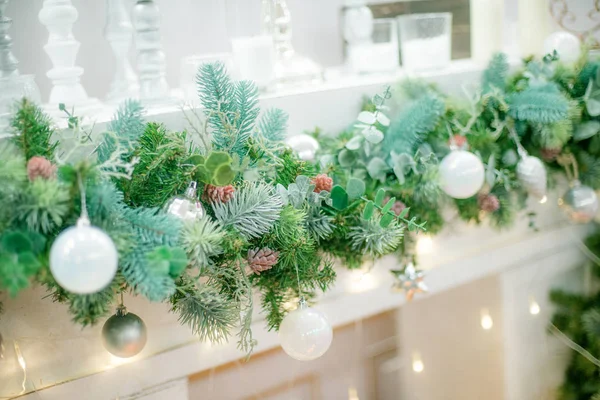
425 40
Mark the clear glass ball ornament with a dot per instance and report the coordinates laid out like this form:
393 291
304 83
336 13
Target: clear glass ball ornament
124 334
186 207
304 145
580 203
305 333
461 174
567 45
83 259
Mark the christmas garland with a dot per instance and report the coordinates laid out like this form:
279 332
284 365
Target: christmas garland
199 219
203 219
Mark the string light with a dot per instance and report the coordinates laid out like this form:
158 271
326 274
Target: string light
486 320
361 281
424 244
543 200
417 363
352 393
534 307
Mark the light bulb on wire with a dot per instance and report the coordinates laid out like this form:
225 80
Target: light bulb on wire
486 320
417 363
534 307
424 244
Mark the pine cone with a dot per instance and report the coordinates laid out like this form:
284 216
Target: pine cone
488 202
218 194
322 182
549 154
398 206
40 167
263 259
459 141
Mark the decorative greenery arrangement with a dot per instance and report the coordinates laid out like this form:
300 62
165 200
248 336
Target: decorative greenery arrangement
268 221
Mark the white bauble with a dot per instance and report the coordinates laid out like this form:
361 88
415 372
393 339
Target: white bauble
567 45
532 175
305 333
461 174
83 259
304 145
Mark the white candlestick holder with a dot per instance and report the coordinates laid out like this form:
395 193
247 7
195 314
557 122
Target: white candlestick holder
59 16
119 34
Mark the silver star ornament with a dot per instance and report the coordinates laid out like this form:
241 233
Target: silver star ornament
410 281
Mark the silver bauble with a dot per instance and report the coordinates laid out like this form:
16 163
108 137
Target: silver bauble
186 207
532 175
580 203
124 334
304 145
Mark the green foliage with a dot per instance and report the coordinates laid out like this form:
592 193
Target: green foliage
207 312
162 170
43 206
370 237
215 169
410 128
291 167
19 251
273 125
126 127
202 240
252 211
495 74
33 131
539 104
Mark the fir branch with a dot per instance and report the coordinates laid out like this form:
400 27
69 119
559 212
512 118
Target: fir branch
410 128
495 74
273 125
33 131
370 237
207 312
246 99
44 205
252 211
201 240
541 104
126 127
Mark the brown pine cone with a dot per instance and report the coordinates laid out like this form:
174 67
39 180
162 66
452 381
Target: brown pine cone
398 206
488 202
40 167
263 259
550 154
218 194
459 141
322 182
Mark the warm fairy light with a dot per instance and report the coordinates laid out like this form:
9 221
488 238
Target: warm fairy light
417 363
543 200
361 281
352 393
534 307
486 320
424 244
116 361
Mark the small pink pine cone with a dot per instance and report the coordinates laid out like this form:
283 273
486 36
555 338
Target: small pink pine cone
550 154
40 167
459 141
218 194
488 202
263 259
398 206
322 182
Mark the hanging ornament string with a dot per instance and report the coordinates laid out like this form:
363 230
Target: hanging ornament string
84 218
513 134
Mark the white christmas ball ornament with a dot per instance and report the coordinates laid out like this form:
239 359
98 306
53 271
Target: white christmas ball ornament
83 259
305 333
532 175
461 174
566 45
304 145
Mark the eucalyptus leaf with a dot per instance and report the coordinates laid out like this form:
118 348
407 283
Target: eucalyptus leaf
339 197
386 220
379 197
373 135
593 107
388 206
355 188
304 185
283 193
354 143
490 172
399 172
586 130
367 117
369 210
383 119
377 169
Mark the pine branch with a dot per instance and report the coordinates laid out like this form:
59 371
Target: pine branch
370 237
541 104
246 100
273 125
126 127
207 312
202 240
44 205
495 74
33 131
252 211
411 127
